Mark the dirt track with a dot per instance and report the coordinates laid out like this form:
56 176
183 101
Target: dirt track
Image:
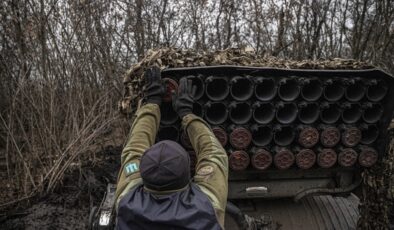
68 207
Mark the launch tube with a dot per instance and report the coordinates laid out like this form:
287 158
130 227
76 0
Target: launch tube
333 90
308 112
215 112
377 90
372 112
169 132
263 112
312 89
241 88
286 112
261 134
198 109
283 135
369 133
240 112
351 112
330 113
216 88
288 89
355 90
265 89
168 115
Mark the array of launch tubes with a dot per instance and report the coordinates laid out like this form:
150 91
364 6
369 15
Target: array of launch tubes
283 122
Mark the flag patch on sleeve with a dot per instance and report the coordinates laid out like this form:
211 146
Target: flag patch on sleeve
131 168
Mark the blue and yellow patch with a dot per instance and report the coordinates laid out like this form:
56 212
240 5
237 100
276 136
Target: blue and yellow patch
131 168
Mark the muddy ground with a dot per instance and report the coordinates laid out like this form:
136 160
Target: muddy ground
68 207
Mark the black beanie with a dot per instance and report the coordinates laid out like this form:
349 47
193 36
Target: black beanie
165 166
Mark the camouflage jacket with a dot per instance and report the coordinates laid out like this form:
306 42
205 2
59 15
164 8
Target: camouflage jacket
212 162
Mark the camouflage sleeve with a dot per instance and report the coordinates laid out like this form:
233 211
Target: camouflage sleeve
141 137
212 163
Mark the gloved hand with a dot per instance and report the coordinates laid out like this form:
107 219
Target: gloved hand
153 89
182 102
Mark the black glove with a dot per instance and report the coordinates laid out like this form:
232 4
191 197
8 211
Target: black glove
153 88
183 101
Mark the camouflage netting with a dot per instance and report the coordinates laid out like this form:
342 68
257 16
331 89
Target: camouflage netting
377 182
173 58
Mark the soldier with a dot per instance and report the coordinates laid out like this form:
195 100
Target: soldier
155 190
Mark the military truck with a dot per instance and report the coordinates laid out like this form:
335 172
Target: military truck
298 140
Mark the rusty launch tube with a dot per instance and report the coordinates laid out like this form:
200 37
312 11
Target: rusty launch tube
283 135
198 82
369 133
376 90
304 158
330 113
265 89
326 157
215 112
241 88
355 90
168 132
347 157
220 134
329 135
286 112
308 112
170 86
238 160
288 89
372 112
283 158
261 158
367 156
240 137
350 135
216 88
261 134
351 112
168 115
263 113
308 136
312 89
333 90
240 112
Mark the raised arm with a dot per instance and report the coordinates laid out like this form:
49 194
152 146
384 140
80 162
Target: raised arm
141 137
142 134
212 162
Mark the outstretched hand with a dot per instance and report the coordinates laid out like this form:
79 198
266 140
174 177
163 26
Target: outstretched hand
153 88
183 100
